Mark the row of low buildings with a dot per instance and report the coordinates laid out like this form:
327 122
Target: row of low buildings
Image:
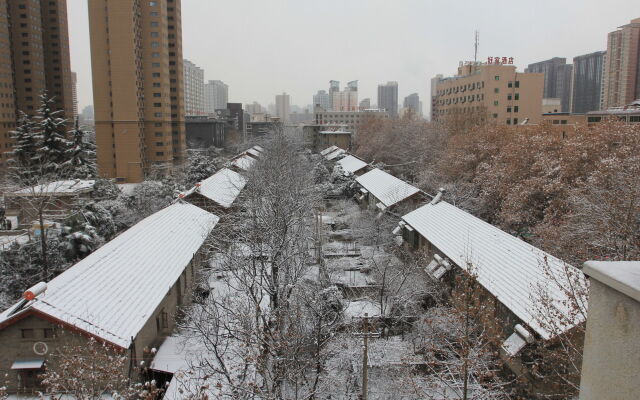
516 279
601 80
453 241
127 294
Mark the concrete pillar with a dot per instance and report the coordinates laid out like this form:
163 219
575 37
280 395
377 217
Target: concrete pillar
611 359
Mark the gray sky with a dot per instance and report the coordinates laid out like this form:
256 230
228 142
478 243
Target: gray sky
261 48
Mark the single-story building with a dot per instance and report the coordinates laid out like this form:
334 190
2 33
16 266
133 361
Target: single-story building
217 193
125 294
338 152
328 150
513 272
242 162
384 191
57 199
352 165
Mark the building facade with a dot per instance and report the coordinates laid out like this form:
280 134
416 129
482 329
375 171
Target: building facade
283 107
412 102
496 92
193 89
136 56
334 87
74 94
388 98
321 99
588 71
365 104
216 96
557 79
434 91
349 119
346 100
622 66
34 57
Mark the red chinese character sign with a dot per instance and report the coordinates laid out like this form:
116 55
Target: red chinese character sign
500 60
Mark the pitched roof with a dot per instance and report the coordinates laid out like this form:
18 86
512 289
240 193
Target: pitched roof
223 187
335 154
509 268
114 291
68 187
328 150
254 152
244 162
351 164
386 187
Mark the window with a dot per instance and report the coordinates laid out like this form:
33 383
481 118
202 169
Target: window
509 97
563 122
495 115
155 65
153 3
156 84
154 24
515 121
157 115
157 104
155 34
517 84
510 84
155 44
508 121
634 118
48 333
156 74
155 55
497 77
594 119
517 96
161 153
27 334
496 90
508 109
516 109
159 144
154 13
495 103
157 95
158 134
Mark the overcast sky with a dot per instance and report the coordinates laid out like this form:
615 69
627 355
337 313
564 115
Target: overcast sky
261 48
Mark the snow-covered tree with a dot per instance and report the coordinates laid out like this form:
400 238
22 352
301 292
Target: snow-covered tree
80 155
51 152
24 150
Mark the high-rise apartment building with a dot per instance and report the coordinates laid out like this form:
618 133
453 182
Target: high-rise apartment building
412 102
346 100
497 93
34 57
283 107
74 94
321 99
254 108
388 98
193 89
557 79
136 56
334 87
216 96
435 81
588 71
365 104
622 66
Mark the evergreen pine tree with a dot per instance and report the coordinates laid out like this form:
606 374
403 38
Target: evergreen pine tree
80 156
51 153
24 150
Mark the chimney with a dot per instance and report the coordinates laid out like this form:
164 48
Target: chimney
438 197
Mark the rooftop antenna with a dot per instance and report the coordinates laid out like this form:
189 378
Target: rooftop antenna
476 44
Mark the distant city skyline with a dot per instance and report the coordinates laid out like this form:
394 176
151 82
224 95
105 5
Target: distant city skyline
412 64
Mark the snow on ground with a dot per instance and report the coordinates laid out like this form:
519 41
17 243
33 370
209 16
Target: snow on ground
7 241
358 309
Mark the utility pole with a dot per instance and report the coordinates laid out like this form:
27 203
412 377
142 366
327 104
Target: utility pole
365 355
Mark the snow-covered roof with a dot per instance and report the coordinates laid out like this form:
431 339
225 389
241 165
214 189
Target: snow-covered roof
61 188
328 150
335 154
223 187
386 187
244 162
253 152
509 268
351 164
259 148
114 291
